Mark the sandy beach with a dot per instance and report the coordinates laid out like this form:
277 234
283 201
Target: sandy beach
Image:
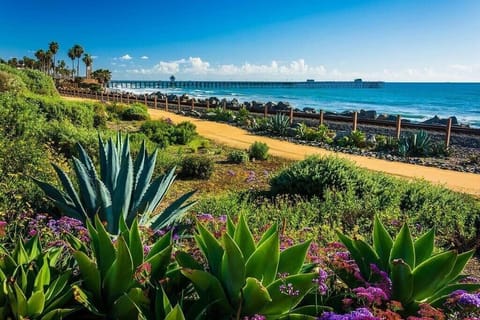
242 139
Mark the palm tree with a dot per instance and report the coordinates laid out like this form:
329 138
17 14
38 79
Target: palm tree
48 61
71 55
40 55
53 47
78 51
102 76
87 59
28 62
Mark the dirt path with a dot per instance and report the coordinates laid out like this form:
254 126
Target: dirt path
241 139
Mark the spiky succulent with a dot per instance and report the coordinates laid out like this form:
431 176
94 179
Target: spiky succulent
123 188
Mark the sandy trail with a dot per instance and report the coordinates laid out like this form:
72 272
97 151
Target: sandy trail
241 139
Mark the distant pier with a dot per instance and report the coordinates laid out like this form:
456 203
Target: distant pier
132 84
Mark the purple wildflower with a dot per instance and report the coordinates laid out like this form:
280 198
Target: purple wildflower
371 295
255 317
205 217
465 299
231 173
222 218
251 177
289 290
320 281
384 282
359 314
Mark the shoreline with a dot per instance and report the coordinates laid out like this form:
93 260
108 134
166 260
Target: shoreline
283 106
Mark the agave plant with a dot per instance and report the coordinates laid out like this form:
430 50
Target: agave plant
123 188
109 284
31 286
245 277
279 124
418 274
417 144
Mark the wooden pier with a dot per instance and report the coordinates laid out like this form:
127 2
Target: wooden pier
125 85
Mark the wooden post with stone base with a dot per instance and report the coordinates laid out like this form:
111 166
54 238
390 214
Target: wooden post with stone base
291 116
145 98
193 104
155 102
178 102
399 127
448 133
208 105
265 112
166 104
355 118
321 118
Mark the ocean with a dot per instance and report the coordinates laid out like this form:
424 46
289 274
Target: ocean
414 101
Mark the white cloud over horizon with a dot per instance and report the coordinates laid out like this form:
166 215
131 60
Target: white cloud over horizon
126 57
144 57
196 68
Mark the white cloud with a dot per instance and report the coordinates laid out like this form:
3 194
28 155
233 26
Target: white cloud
94 57
126 57
144 57
195 68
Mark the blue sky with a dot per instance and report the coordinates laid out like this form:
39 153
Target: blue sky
394 40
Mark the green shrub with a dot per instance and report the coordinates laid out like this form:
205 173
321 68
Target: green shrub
313 176
258 151
196 167
219 114
115 110
279 124
136 111
386 143
11 83
358 139
416 144
184 133
159 131
37 82
321 134
238 156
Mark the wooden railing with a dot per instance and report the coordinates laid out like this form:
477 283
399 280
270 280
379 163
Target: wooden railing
321 117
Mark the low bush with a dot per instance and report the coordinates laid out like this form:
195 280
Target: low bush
184 133
136 111
258 151
35 81
238 156
159 131
196 167
11 83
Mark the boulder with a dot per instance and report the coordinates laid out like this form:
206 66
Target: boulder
437 120
308 110
369 114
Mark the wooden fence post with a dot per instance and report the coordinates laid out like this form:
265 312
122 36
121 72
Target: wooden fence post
449 132
399 127
208 105
291 116
355 118
166 104
121 98
155 102
265 112
178 103
128 99
193 104
321 118
136 99
224 105
145 98
96 95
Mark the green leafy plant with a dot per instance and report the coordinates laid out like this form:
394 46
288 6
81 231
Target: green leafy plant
238 156
123 188
417 272
136 111
322 133
258 151
358 139
199 167
184 133
219 114
113 277
245 277
32 287
279 124
416 144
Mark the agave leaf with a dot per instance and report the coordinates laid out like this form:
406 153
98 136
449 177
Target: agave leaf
87 162
36 303
173 212
175 314
68 186
57 286
430 274
113 164
58 314
85 300
230 227
90 274
356 254
161 244
139 162
159 263
104 165
144 176
292 259
106 251
243 237
382 242
105 201
462 260
210 289
282 302
263 263
128 305
232 269
270 232
402 281
255 296
43 277
121 268
403 247
367 254
135 244
122 193
211 248
424 246
18 300
187 261
87 188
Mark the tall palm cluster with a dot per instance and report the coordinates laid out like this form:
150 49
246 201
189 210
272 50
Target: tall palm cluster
46 62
